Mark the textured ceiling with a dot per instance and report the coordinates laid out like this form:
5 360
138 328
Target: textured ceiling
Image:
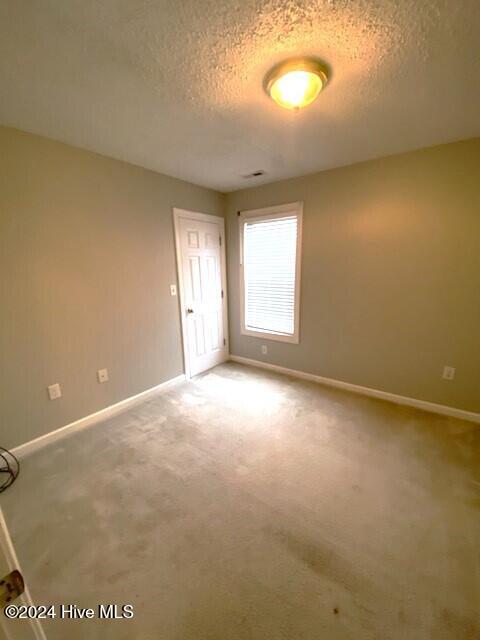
176 85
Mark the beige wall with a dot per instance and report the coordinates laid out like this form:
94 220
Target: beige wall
390 274
390 280
86 260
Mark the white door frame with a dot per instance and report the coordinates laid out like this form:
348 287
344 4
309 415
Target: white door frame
34 630
179 214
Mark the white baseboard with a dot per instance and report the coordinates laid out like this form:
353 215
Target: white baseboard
108 412
366 391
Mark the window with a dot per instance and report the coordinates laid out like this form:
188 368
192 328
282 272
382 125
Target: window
270 244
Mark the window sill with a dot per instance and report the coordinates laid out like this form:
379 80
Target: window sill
266 335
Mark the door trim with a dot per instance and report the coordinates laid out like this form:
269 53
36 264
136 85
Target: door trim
179 214
8 551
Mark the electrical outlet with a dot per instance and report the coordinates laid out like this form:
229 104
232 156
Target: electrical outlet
264 349
102 375
54 391
448 373
173 289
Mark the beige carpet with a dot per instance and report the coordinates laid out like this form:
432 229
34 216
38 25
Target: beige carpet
248 505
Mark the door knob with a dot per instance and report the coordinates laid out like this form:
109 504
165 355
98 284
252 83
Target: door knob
189 310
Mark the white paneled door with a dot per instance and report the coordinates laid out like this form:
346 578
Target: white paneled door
201 263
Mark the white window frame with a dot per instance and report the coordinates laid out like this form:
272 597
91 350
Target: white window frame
267 213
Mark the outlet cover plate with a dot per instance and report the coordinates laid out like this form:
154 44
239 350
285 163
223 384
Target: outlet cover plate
448 373
102 375
54 391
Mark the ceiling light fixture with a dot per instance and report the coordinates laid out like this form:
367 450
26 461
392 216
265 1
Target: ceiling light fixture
296 83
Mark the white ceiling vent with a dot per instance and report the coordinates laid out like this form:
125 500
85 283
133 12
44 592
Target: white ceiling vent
255 174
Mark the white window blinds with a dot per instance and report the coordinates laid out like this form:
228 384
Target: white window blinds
269 263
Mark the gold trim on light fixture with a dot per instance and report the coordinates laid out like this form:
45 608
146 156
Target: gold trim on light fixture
296 83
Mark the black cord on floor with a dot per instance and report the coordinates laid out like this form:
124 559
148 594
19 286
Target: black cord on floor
10 466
